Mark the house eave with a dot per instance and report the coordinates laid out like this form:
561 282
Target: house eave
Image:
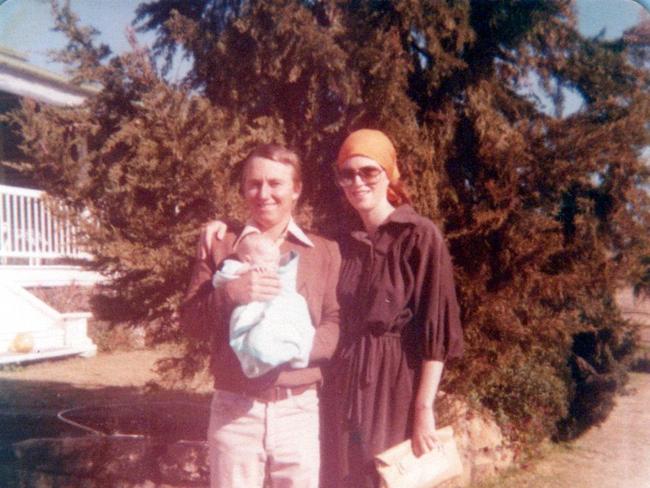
20 78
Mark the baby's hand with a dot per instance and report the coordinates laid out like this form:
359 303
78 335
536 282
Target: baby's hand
269 269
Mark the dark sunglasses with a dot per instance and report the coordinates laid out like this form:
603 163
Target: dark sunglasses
368 174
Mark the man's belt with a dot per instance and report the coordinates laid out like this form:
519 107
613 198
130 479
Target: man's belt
276 393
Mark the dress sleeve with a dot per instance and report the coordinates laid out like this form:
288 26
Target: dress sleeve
436 307
327 331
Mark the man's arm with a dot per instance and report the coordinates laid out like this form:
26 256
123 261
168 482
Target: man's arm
327 333
197 310
203 302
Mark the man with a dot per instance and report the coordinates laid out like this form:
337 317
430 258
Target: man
265 428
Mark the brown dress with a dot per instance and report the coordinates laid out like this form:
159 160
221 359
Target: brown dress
398 305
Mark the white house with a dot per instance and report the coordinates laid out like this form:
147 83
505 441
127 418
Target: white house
35 244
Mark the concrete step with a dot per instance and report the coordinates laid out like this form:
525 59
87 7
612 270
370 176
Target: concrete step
21 311
7 358
47 333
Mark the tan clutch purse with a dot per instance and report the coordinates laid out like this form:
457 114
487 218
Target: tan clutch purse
399 468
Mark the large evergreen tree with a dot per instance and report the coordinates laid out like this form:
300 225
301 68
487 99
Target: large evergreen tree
545 214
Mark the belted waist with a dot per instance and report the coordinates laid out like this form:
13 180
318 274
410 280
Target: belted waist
274 393
360 340
358 358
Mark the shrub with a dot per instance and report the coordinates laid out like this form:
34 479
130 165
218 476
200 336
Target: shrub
527 394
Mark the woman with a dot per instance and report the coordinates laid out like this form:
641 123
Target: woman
400 317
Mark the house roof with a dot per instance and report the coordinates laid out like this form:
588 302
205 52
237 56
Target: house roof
19 77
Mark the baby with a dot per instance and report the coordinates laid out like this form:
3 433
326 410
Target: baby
259 253
265 335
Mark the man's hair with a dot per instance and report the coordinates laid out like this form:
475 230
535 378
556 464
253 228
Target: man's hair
274 152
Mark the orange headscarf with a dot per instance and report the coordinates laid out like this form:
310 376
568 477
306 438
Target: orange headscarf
372 144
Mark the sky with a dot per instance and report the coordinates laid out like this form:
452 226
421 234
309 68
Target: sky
26 25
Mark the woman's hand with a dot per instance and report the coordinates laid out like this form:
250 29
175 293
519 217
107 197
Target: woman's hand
214 228
424 421
253 286
424 430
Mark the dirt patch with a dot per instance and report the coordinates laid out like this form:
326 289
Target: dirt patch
613 455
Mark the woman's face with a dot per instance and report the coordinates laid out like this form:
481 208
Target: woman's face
364 183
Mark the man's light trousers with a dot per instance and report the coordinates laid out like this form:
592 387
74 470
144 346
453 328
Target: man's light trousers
252 441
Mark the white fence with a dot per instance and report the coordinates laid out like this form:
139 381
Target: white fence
30 232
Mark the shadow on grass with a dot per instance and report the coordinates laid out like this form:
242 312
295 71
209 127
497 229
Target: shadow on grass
142 422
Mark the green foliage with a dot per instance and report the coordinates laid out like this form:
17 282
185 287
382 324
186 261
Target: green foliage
599 364
545 214
526 394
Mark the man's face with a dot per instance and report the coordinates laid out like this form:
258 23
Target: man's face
270 191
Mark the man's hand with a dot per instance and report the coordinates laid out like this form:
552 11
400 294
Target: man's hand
253 286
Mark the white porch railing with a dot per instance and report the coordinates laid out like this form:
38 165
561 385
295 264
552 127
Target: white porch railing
35 244
30 232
